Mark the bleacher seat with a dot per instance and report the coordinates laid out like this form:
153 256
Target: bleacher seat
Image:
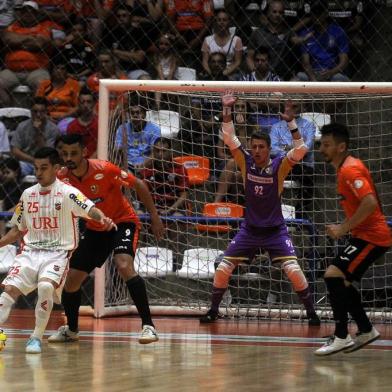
185 73
197 168
168 121
319 120
198 263
7 256
220 210
153 262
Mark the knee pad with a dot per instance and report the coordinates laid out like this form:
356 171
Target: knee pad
45 289
295 274
223 273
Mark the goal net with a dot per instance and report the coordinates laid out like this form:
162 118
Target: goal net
179 269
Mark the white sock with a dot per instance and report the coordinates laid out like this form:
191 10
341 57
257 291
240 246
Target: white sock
43 308
6 302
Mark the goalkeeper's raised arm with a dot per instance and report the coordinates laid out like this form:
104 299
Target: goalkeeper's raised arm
228 131
299 149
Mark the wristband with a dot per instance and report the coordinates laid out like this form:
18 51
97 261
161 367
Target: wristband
292 125
293 130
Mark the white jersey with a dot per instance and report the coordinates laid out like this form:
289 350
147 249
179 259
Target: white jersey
49 216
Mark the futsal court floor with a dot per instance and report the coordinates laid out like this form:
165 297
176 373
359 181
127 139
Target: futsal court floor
227 356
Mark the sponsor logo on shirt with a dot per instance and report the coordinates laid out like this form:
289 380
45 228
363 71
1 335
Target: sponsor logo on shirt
79 199
98 200
94 188
260 180
358 184
57 206
98 176
124 174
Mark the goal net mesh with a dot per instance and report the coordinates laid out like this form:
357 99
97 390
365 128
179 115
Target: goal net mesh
178 270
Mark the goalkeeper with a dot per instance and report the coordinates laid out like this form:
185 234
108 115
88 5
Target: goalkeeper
264 225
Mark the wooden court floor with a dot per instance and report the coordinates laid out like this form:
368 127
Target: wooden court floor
227 356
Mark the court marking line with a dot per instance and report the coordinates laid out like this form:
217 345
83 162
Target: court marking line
193 337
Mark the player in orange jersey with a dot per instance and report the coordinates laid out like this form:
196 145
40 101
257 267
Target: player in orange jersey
370 238
102 182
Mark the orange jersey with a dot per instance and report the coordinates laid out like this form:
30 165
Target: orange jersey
24 60
61 100
354 183
103 184
190 14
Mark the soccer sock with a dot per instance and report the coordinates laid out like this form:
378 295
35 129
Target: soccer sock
337 298
43 308
356 309
306 298
6 302
138 292
71 303
216 298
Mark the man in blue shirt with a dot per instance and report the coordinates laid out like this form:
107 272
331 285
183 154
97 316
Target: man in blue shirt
138 135
325 51
264 225
282 142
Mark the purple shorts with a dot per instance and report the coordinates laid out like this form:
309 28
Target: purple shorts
275 240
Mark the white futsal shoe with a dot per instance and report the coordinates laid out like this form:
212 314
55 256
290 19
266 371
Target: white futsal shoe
362 339
33 346
335 345
64 335
148 335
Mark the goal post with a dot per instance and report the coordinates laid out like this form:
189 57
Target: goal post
259 290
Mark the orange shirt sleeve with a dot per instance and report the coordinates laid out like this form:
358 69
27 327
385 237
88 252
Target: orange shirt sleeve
120 177
356 182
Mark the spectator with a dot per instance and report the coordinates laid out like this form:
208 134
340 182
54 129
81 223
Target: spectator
4 141
276 36
6 13
78 52
166 179
190 21
225 42
262 71
10 189
137 135
150 10
128 42
28 41
32 134
107 69
325 51
303 172
86 122
60 91
216 65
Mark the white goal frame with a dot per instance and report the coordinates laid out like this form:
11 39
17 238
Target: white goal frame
113 85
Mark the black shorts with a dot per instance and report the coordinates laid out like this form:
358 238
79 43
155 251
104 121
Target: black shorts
357 257
96 246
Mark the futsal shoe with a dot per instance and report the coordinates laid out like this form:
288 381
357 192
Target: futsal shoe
148 335
3 339
362 339
33 346
64 335
313 319
335 345
209 317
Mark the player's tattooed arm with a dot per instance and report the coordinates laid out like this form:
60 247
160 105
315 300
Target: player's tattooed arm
97 215
12 236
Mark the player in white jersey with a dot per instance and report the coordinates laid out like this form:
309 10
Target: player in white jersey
46 218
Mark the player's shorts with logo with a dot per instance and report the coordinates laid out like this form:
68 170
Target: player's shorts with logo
96 246
275 240
356 257
32 265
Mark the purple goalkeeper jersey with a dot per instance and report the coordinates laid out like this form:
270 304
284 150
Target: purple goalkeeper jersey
263 188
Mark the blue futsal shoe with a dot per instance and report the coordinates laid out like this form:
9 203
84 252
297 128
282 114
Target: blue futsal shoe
33 346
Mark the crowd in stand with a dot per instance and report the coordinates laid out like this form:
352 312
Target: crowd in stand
60 50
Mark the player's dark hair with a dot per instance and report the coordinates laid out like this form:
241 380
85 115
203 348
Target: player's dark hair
261 136
73 138
262 50
50 153
338 131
